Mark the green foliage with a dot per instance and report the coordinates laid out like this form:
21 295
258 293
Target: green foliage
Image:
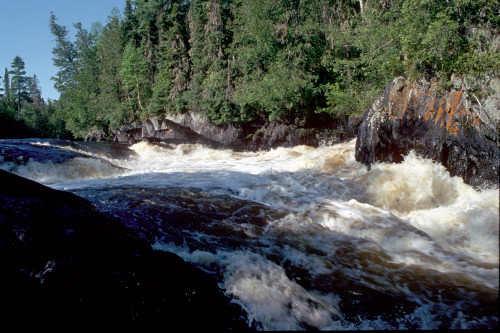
109 47
64 56
440 37
36 120
79 91
134 71
6 84
174 63
23 111
239 61
35 92
19 83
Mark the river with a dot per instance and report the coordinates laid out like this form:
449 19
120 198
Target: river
302 238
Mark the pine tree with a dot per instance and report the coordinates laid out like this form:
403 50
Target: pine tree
19 82
6 83
196 24
146 13
35 92
217 85
65 54
82 109
109 49
172 78
129 25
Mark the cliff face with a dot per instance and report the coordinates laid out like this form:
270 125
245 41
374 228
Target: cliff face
194 128
455 128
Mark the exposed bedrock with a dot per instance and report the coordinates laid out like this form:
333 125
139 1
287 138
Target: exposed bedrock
191 127
65 266
457 127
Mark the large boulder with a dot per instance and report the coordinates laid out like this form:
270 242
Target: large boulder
451 126
65 266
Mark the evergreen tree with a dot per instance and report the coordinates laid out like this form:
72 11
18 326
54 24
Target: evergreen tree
129 25
245 60
35 92
196 18
80 100
6 83
146 13
65 54
77 78
217 86
253 48
279 50
172 78
109 49
134 73
19 82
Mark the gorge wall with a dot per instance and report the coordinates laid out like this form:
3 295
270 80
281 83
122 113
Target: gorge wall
454 127
192 127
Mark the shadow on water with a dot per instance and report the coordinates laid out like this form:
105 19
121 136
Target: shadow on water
357 272
277 218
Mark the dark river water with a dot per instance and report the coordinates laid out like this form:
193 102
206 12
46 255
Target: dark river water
302 238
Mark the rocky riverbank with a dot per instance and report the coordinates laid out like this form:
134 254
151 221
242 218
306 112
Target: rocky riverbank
453 127
195 128
456 125
67 266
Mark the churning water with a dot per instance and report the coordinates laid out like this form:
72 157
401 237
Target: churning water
301 238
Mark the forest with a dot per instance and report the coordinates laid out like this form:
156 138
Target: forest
241 61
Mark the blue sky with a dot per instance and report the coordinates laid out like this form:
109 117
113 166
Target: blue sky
24 32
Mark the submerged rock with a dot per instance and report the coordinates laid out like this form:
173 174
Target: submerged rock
67 266
447 127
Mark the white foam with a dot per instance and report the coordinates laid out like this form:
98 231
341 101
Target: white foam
391 202
413 213
414 184
263 289
77 168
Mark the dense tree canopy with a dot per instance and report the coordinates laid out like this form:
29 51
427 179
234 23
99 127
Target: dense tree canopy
238 61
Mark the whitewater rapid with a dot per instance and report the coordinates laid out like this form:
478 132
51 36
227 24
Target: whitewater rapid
300 237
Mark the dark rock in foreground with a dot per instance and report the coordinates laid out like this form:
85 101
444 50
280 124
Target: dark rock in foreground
67 266
444 127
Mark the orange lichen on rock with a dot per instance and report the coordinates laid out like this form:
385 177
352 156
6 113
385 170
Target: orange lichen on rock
420 102
440 113
426 119
475 122
457 96
452 128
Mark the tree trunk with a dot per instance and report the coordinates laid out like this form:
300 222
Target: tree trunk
139 97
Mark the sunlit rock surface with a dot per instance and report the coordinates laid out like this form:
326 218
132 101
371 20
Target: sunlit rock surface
451 127
194 128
